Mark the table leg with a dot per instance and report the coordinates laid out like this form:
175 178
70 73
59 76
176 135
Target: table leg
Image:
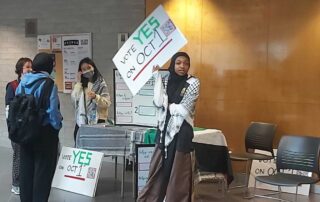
116 167
133 178
123 174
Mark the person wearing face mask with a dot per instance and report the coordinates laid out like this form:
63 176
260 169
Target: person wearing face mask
175 96
23 66
90 96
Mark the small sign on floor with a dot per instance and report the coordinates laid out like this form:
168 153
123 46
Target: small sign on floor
78 171
144 154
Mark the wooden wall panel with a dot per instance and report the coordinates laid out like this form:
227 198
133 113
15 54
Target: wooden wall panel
293 66
258 60
59 71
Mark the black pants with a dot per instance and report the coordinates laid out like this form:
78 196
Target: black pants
15 164
15 161
37 166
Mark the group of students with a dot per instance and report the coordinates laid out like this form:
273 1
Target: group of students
34 163
175 96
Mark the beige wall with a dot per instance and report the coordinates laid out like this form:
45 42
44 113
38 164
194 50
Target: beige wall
258 60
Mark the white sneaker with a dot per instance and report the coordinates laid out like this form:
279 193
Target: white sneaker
15 190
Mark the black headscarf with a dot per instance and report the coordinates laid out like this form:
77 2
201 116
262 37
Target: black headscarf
42 62
175 81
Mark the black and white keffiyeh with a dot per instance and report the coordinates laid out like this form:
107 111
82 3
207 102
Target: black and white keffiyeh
185 110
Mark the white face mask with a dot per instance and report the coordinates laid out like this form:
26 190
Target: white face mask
88 74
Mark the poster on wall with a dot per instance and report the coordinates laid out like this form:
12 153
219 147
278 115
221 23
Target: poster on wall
74 49
138 109
152 43
56 42
78 171
268 167
44 42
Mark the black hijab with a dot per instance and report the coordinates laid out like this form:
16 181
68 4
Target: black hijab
175 81
42 62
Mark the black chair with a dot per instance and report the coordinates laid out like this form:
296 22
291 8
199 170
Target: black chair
259 136
299 153
213 165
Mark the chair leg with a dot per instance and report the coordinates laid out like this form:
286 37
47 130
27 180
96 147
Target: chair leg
224 187
246 182
123 175
247 173
267 196
279 190
254 191
220 188
246 194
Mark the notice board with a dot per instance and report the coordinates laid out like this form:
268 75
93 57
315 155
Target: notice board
67 51
74 49
134 110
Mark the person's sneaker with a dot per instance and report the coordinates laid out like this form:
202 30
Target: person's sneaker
15 190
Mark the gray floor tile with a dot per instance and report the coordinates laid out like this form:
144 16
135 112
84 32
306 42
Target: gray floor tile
109 189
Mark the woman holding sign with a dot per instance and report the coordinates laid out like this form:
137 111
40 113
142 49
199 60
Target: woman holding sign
90 96
170 174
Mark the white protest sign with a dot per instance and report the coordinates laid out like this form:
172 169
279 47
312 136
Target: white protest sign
268 167
153 43
78 171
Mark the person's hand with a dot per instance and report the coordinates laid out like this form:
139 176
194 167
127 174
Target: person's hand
91 95
79 76
155 68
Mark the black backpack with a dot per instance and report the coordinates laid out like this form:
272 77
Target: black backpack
26 115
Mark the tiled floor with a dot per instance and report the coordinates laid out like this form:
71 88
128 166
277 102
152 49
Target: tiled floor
109 189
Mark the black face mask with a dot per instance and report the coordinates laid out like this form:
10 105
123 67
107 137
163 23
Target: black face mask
84 81
88 74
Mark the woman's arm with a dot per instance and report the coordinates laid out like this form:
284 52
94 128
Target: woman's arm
55 117
160 96
9 97
103 98
9 94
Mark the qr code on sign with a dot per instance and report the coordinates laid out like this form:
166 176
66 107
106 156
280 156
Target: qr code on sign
168 27
91 173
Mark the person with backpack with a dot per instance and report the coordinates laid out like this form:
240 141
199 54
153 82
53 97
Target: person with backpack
23 66
91 106
39 146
